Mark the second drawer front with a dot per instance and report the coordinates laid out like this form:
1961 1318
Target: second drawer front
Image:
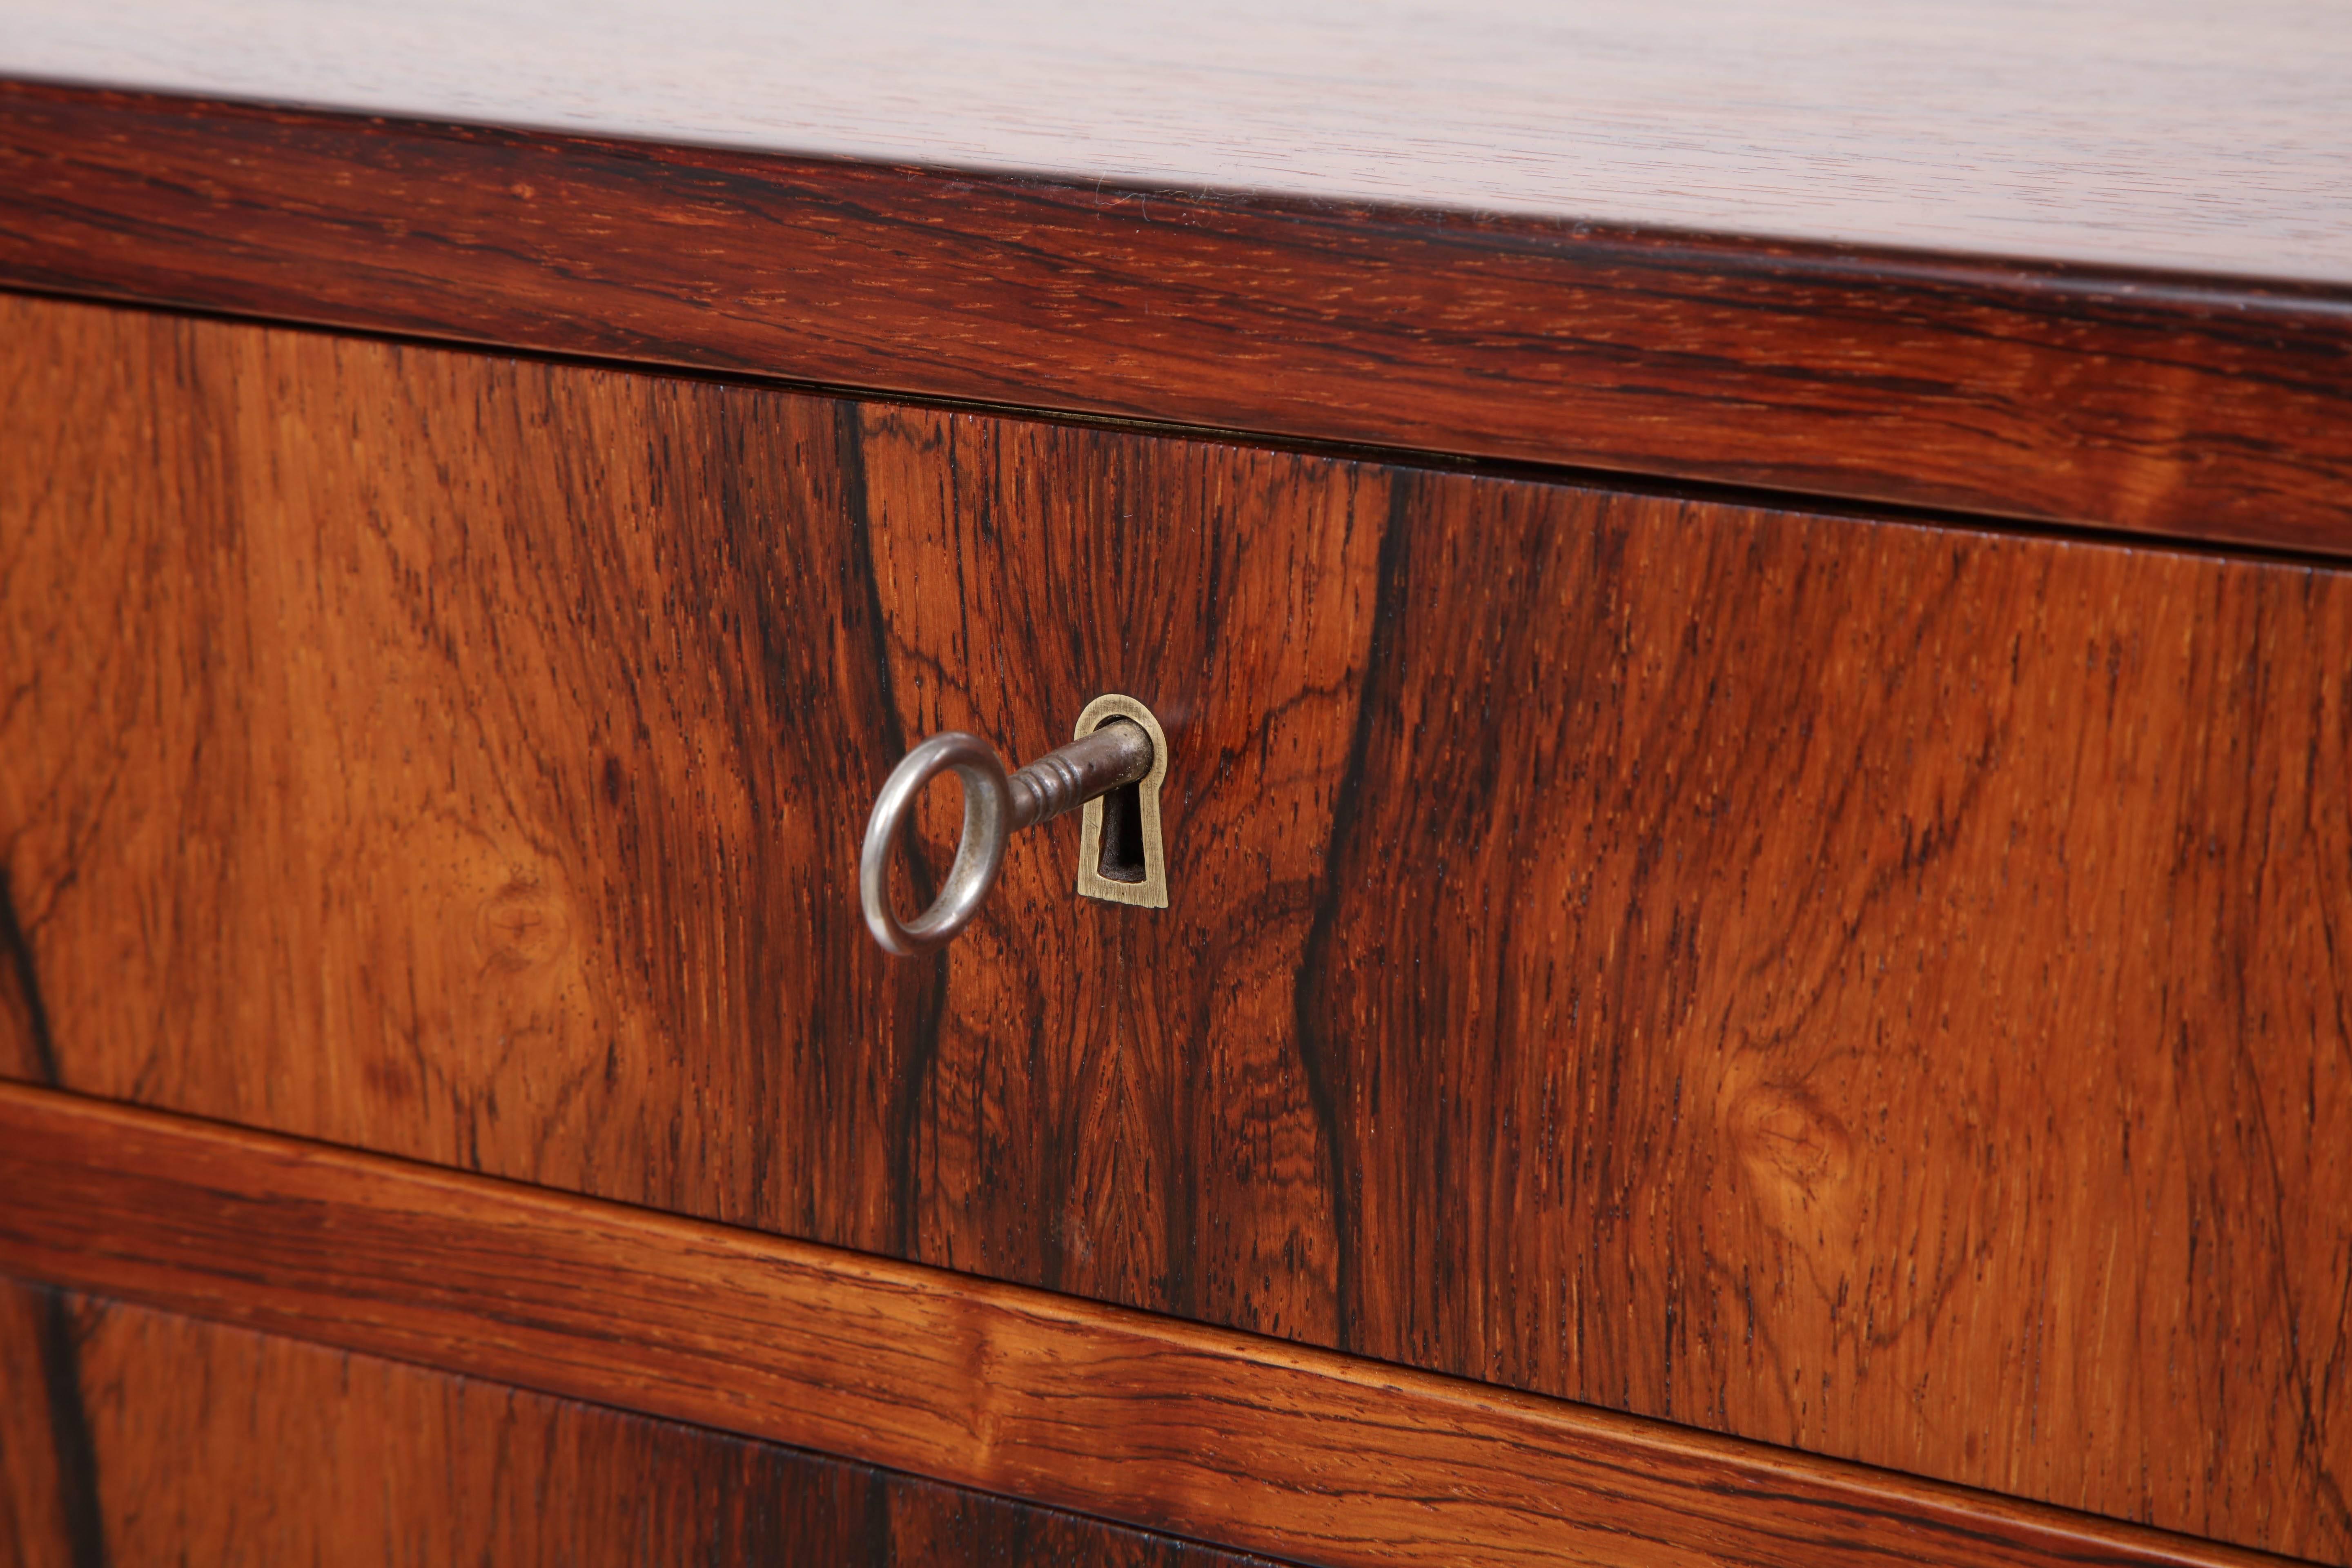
1848 985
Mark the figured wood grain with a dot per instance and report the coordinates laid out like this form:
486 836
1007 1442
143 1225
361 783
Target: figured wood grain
1850 985
2165 134
1152 1421
2163 403
46 1506
214 1444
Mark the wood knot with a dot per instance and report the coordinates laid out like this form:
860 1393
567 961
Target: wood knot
522 926
1797 1154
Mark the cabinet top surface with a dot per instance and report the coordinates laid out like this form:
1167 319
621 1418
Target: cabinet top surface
2166 134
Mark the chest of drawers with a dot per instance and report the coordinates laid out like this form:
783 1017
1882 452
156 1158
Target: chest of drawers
1757 837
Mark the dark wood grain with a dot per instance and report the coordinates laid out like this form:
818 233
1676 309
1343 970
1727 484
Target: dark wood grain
2206 408
47 1504
1153 1421
214 1444
2176 136
1858 986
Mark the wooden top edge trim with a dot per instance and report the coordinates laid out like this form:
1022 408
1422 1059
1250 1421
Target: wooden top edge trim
1794 255
2173 404
1171 1426
2214 139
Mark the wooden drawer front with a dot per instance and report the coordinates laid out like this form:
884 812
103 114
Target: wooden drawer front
1854 985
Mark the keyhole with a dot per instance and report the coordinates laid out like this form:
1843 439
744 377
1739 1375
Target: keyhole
1122 834
1121 860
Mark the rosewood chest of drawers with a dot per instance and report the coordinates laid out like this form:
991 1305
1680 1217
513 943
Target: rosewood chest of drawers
1756 740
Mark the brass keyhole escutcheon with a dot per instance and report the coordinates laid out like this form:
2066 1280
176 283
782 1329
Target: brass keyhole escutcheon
1122 858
